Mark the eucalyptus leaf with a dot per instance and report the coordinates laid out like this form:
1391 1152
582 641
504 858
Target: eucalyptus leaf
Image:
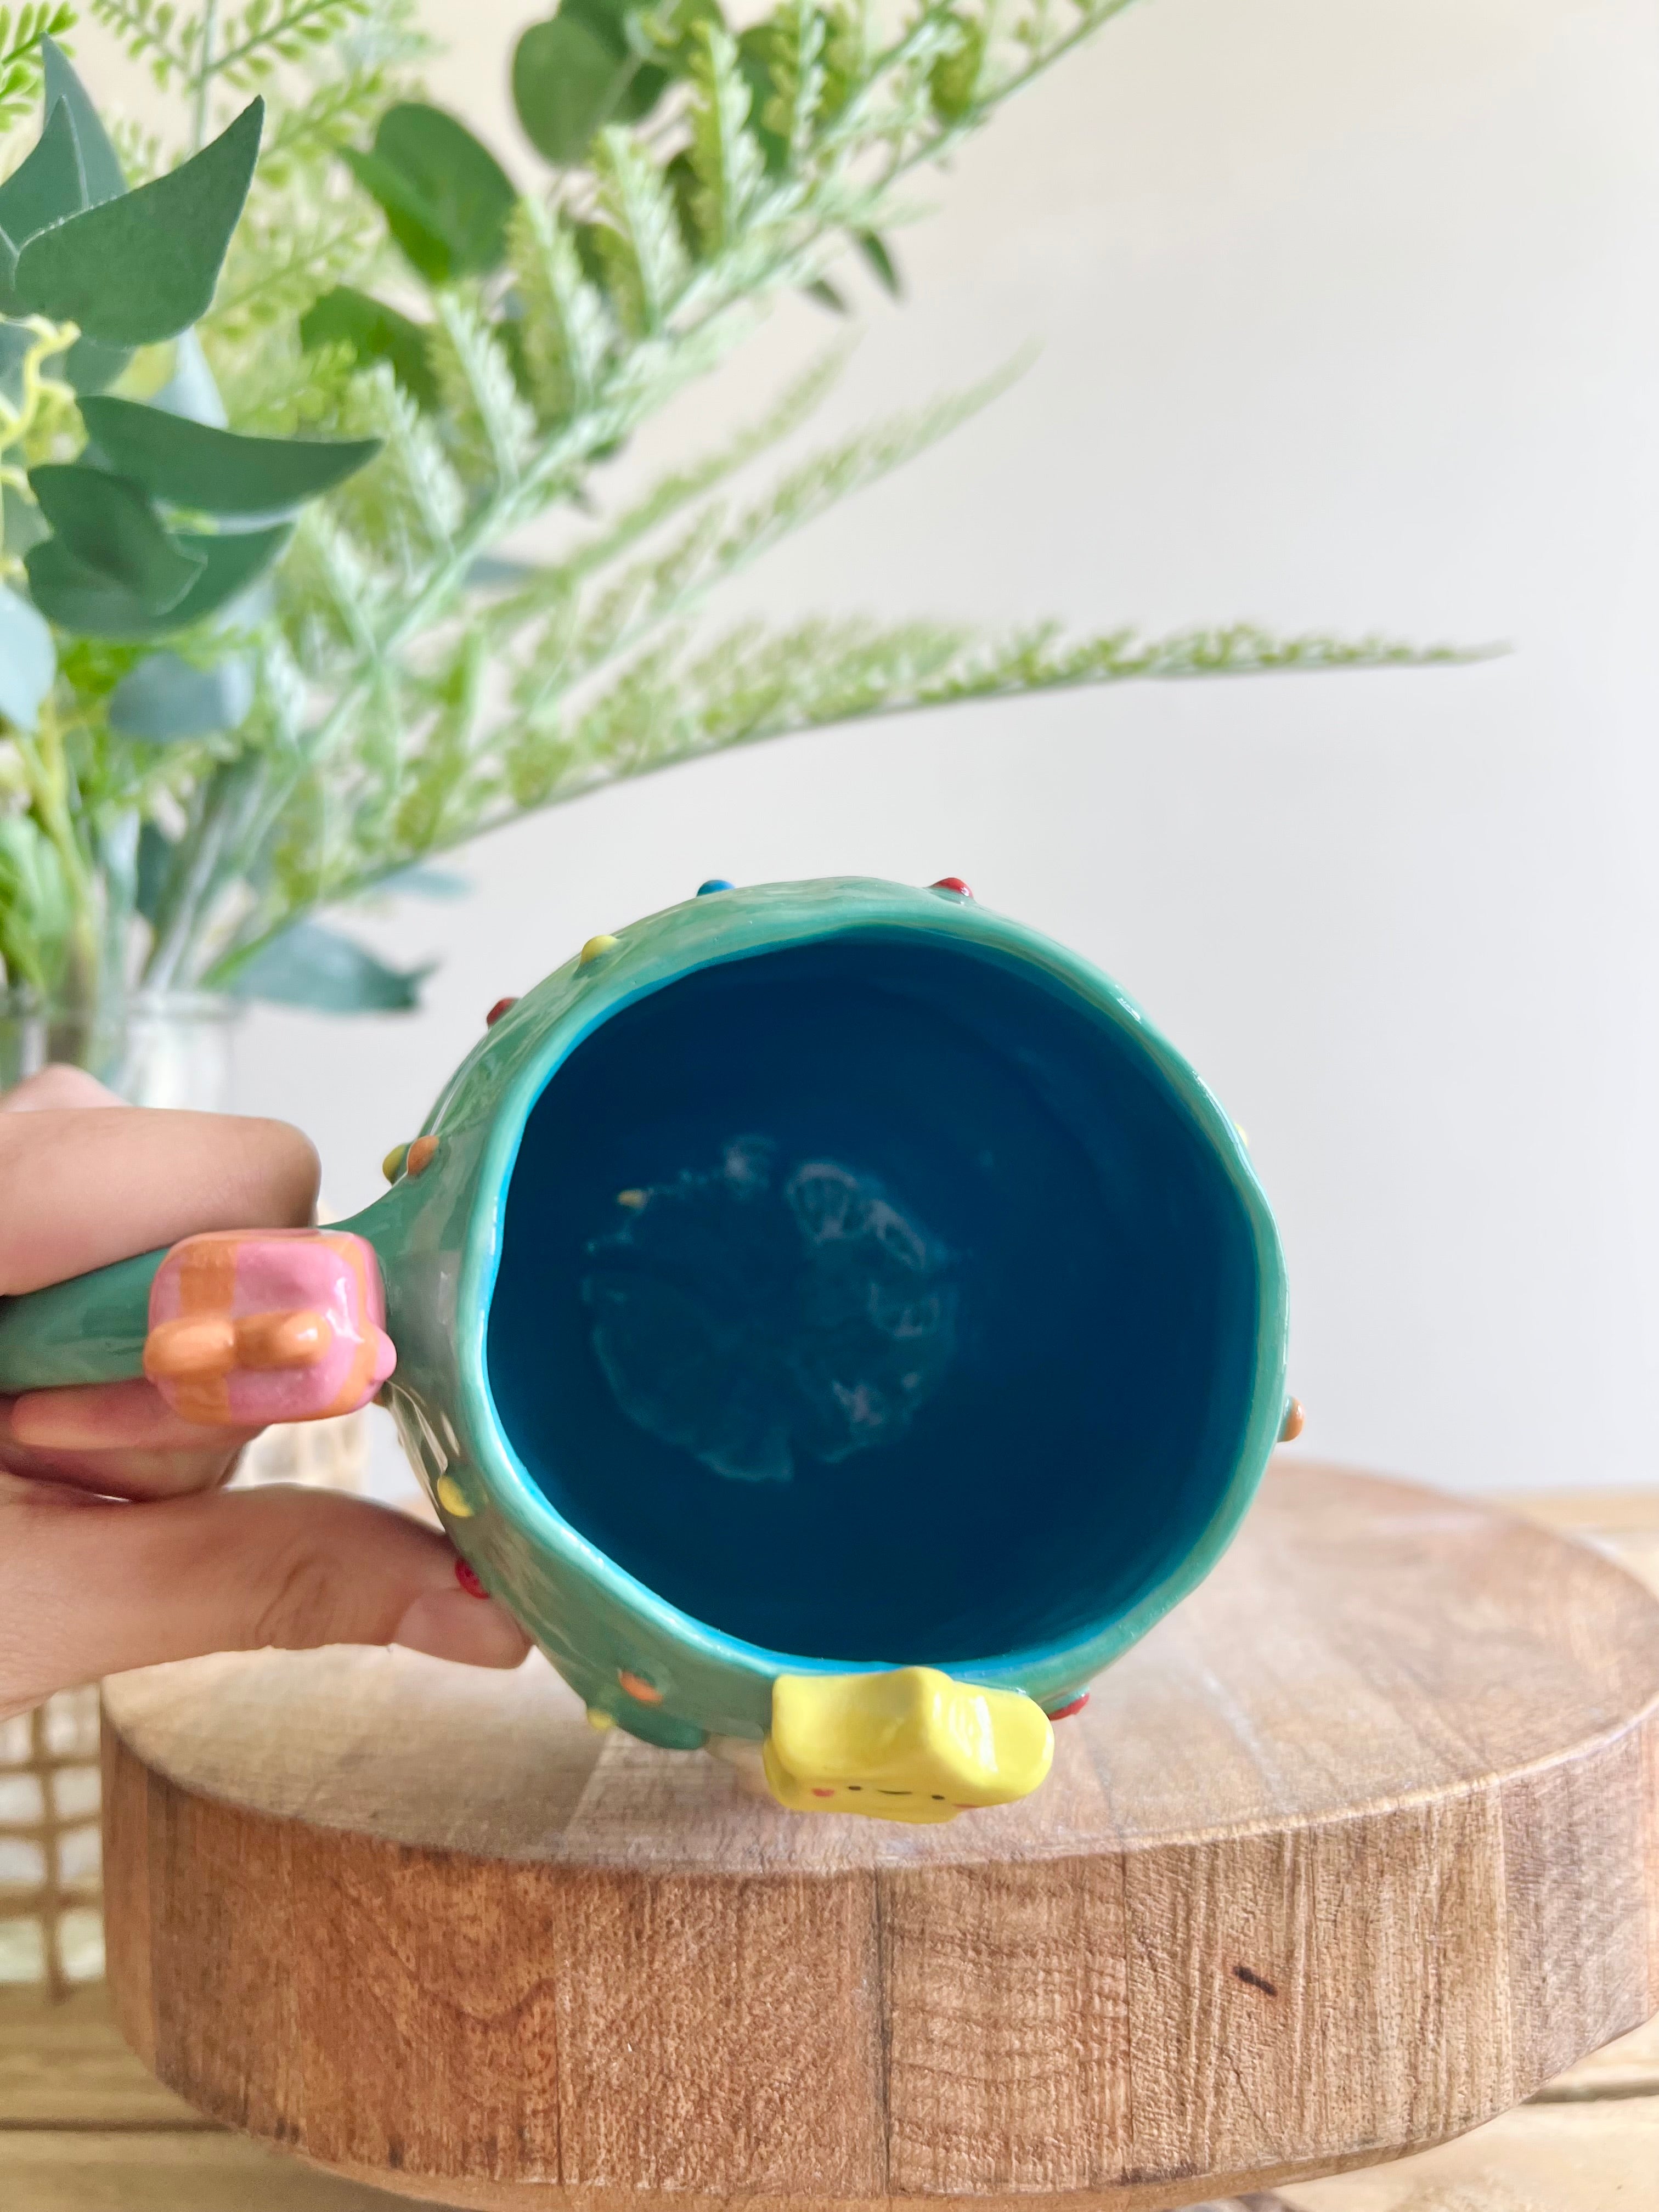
164 698
90 367
76 598
29 660
575 74
310 966
106 523
445 196
17 345
373 332
823 294
21 523
219 472
45 187
142 268
100 166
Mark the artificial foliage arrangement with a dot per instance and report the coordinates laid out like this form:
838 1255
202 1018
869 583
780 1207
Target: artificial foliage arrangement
279 403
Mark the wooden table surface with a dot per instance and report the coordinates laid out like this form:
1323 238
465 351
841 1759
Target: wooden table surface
83 2128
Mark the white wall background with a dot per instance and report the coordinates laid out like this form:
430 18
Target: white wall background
1348 320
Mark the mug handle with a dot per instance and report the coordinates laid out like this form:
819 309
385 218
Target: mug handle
235 1328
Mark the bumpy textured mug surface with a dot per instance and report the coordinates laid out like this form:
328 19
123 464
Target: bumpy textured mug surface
808 1283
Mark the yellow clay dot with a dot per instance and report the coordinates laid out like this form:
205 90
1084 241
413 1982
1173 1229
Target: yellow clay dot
392 1165
593 947
598 1718
422 1153
646 1692
633 1200
454 1499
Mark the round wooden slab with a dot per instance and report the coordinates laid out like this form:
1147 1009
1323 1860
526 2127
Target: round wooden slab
1356 1850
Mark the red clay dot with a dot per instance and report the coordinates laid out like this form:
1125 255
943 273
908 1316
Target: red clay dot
468 1580
824 1793
1075 1706
501 1006
951 883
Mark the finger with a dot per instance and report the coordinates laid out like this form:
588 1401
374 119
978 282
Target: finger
91 1588
105 1417
101 1183
117 1440
59 1088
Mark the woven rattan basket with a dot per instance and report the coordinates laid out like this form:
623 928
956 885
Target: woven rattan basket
51 1928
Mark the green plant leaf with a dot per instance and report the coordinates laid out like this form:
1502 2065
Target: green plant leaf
77 598
106 523
100 166
954 82
29 660
576 73
759 51
220 473
15 346
310 966
34 902
90 367
21 523
445 196
373 332
143 268
155 853
875 251
164 698
823 294
44 188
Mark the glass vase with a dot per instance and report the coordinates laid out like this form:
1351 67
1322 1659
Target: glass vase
22 1036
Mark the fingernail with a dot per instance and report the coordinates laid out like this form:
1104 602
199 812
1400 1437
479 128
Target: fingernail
451 1624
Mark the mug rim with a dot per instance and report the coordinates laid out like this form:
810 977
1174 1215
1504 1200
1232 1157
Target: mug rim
775 917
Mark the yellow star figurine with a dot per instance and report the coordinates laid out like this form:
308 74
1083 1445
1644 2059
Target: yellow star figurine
909 1745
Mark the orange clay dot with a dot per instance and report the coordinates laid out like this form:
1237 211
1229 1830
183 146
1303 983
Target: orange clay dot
1294 1421
467 1575
594 946
638 1688
422 1153
824 1793
501 1006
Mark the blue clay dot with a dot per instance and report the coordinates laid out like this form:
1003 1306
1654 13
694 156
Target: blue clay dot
714 884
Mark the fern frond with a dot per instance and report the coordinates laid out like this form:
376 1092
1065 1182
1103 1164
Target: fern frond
493 428
251 46
565 328
21 30
676 491
798 78
286 252
409 500
639 234
726 159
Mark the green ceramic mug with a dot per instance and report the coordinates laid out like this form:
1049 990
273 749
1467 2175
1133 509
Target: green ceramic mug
828 1314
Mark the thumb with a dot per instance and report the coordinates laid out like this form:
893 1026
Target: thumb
89 1587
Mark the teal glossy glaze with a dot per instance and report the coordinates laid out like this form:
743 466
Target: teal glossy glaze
439 1236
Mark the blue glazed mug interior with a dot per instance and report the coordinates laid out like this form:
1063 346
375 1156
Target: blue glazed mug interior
878 1299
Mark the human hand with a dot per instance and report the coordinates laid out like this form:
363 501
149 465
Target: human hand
118 1547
